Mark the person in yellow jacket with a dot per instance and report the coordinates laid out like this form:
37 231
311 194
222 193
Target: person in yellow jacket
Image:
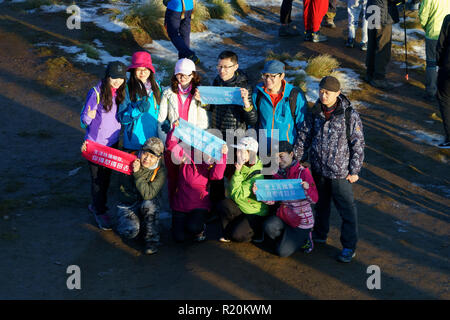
431 16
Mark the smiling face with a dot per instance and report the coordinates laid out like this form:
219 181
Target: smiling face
142 74
116 83
184 80
284 159
242 156
273 82
148 159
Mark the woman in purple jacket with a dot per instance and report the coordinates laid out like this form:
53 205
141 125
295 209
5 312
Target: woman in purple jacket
99 117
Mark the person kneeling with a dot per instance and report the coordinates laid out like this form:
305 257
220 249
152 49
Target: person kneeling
139 206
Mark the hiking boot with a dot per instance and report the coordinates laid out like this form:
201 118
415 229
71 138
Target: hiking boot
444 145
317 37
150 248
308 36
103 221
309 245
194 58
379 84
288 31
201 236
363 46
350 43
329 23
346 255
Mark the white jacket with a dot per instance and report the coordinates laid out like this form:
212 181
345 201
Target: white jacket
168 109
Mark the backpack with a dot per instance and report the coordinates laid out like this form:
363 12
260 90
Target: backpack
292 100
82 125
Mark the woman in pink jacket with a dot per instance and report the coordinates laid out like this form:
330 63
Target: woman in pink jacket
191 202
292 225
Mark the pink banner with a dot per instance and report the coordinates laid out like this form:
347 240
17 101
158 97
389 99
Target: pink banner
109 157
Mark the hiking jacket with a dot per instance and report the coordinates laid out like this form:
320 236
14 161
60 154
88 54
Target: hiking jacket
144 184
232 116
279 117
176 5
104 128
298 213
241 193
388 11
169 110
139 120
193 179
442 48
330 153
431 16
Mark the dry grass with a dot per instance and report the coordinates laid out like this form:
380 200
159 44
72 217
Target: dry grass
270 55
300 81
148 17
241 7
220 9
321 66
200 14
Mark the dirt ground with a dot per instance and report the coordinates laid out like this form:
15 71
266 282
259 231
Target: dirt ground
402 196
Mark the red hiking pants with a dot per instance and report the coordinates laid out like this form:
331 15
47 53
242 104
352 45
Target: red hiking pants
313 13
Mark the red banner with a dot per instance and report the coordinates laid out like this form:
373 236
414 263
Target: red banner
109 157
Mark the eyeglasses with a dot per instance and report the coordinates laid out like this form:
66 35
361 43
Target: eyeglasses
180 75
224 67
271 76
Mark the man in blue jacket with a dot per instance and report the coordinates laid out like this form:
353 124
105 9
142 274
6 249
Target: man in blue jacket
281 106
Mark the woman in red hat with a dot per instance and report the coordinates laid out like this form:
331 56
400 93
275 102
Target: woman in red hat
138 113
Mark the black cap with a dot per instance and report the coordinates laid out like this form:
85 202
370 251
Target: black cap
285 146
330 83
116 70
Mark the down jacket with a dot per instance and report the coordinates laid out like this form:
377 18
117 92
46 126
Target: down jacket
330 153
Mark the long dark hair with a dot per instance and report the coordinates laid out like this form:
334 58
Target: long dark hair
195 81
106 95
136 87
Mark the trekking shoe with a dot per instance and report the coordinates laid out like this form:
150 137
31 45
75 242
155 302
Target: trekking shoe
150 248
317 37
308 36
444 145
350 43
224 240
201 236
103 221
309 245
194 58
346 255
380 84
329 23
363 46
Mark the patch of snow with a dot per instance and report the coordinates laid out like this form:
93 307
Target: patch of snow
53 8
98 43
426 137
71 49
83 58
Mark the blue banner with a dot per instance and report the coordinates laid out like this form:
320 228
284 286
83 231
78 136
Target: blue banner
220 95
279 190
199 139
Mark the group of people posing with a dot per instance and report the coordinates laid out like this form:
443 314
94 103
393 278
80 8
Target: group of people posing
139 117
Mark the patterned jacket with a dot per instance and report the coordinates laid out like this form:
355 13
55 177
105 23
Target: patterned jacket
330 153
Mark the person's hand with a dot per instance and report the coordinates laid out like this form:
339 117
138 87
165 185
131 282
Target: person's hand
84 146
244 96
197 95
305 185
224 149
136 165
269 203
352 178
238 166
254 188
91 113
175 124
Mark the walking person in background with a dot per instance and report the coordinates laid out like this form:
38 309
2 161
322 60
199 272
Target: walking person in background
313 13
178 25
443 81
99 118
431 15
287 29
329 16
354 9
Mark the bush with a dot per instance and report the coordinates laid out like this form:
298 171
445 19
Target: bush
220 10
241 7
200 14
321 66
149 17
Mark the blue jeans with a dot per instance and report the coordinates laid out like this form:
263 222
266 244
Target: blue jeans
290 239
341 192
179 31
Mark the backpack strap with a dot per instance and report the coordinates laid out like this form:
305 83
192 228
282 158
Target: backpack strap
348 112
254 173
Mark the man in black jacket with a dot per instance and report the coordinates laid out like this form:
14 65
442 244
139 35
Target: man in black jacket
379 40
443 90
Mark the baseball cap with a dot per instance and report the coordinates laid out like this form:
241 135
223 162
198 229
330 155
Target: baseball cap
247 143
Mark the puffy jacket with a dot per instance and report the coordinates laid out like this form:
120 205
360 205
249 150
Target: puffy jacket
139 119
388 11
145 184
443 48
233 117
431 15
193 179
241 193
331 154
104 128
281 118
176 5
169 110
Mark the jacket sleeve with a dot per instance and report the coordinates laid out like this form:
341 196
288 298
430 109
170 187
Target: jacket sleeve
250 115
312 193
218 169
356 144
241 190
304 137
163 107
91 103
173 146
442 44
424 13
150 189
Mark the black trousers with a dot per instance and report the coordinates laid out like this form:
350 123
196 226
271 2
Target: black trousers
340 191
285 11
236 225
191 223
443 96
378 52
100 179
